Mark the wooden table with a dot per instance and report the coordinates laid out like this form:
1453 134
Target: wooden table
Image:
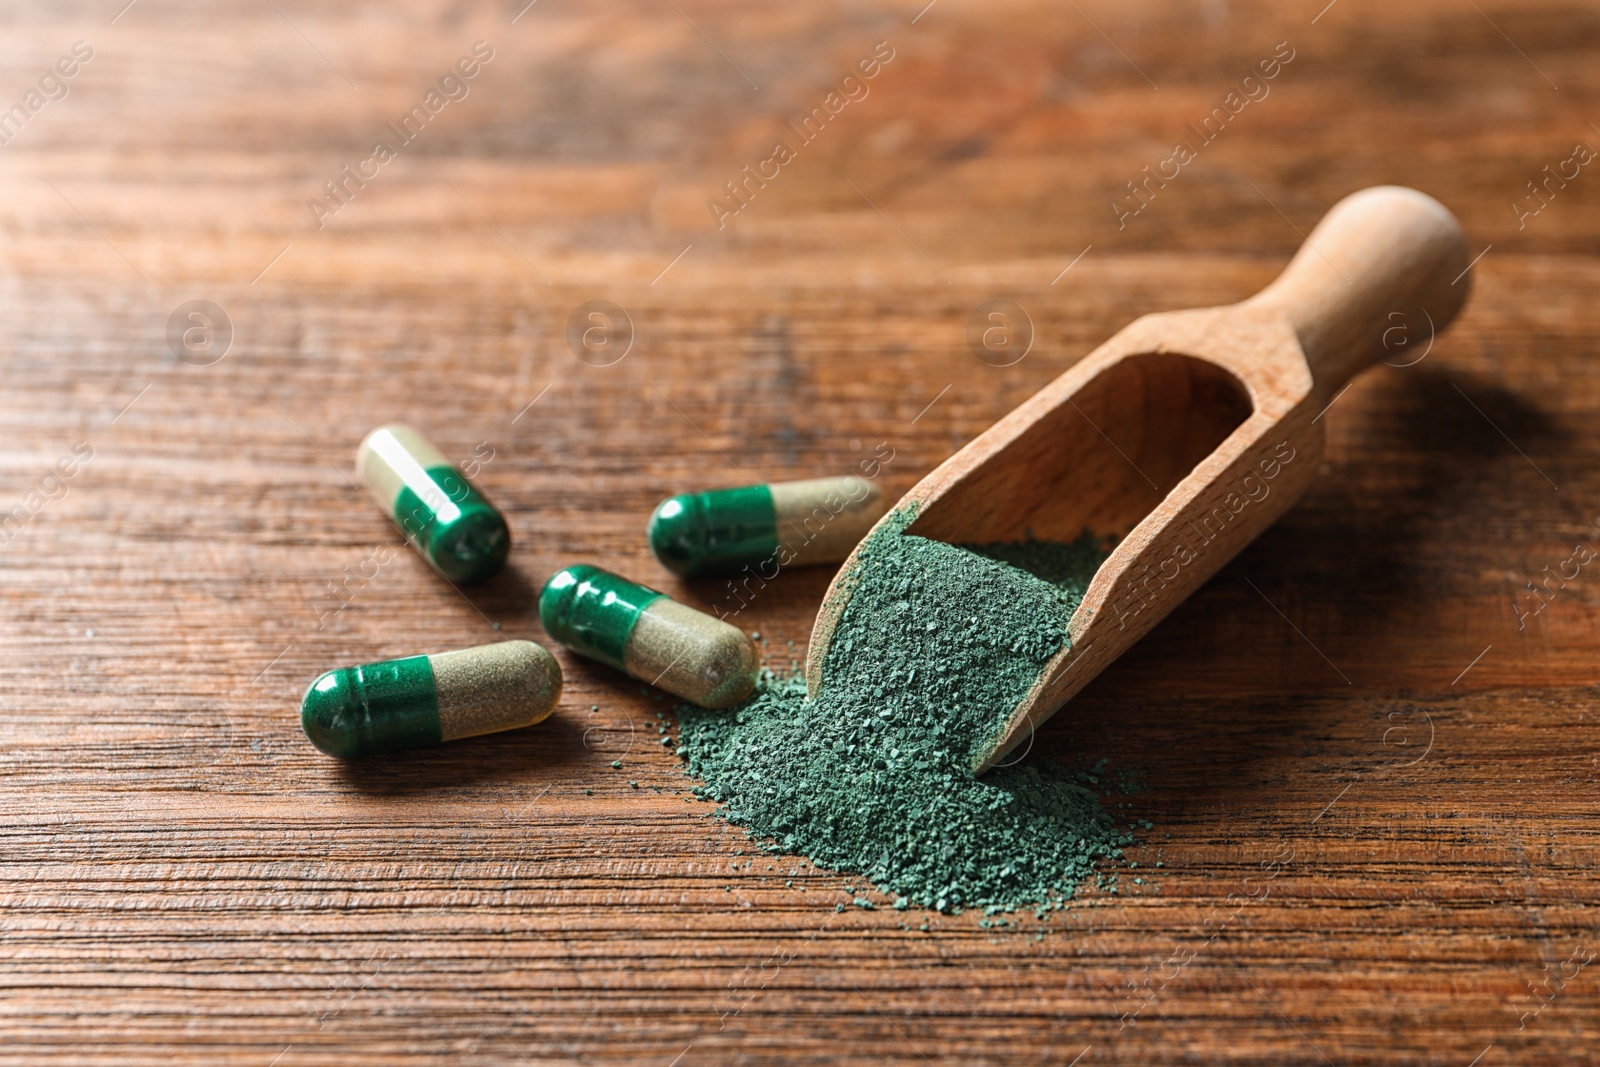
1367 758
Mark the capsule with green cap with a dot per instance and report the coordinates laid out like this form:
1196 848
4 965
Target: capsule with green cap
445 518
650 636
423 700
784 524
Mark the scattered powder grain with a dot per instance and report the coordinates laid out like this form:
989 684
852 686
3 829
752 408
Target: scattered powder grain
937 644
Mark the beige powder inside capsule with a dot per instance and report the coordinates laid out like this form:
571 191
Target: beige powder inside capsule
495 687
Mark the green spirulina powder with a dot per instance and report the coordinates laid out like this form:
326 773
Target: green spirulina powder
937 644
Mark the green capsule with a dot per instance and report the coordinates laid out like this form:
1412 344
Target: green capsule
784 524
423 700
455 528
650 636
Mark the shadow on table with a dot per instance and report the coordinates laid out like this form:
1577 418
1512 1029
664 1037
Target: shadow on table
527 758
511 594
1267 665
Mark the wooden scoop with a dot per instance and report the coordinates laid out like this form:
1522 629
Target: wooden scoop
1186 434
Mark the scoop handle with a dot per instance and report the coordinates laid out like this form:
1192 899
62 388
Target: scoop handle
1386 269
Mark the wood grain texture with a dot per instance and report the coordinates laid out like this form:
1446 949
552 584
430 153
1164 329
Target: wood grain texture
1369 760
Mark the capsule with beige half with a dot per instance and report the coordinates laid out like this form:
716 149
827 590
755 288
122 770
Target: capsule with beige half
423 700
790 524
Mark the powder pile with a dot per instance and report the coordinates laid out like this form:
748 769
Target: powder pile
938 643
